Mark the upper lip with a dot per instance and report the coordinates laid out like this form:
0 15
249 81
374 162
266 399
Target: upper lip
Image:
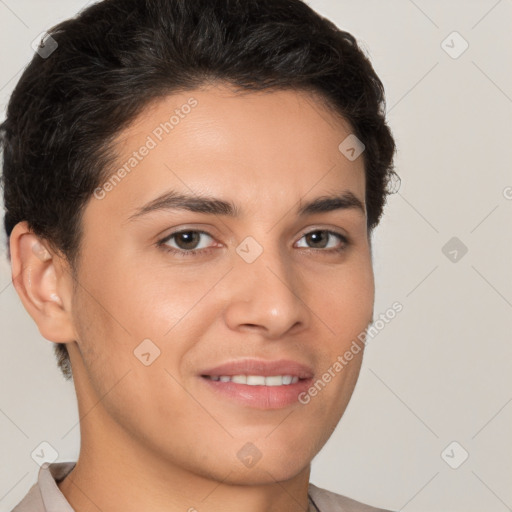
262 367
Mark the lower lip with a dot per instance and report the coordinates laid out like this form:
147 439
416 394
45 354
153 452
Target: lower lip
260 397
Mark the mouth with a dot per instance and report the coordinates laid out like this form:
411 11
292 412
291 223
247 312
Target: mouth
256 380
257 368
259 384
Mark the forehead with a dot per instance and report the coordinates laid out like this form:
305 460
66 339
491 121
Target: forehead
259 147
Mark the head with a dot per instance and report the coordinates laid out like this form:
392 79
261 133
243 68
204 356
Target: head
247 104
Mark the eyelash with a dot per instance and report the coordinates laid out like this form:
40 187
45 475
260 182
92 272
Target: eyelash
193 252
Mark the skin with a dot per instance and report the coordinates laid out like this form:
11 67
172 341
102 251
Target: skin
156 434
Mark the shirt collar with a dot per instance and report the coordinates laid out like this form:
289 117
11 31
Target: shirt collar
48 477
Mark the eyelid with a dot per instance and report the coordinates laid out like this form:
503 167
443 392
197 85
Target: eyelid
162 243
164 240
344 239
312 229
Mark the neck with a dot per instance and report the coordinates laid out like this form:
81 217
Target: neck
102 481
116 474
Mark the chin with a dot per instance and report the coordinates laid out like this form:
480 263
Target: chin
264 474
280 466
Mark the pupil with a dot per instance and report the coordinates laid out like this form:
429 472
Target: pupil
316 234
188 236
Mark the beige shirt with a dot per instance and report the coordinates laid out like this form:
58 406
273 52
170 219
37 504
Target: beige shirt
45 496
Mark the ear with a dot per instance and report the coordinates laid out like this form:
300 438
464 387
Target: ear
44 284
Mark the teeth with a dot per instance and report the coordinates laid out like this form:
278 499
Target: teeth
287 379
275 380
257 380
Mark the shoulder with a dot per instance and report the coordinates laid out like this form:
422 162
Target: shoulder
32 501
328 501
45 494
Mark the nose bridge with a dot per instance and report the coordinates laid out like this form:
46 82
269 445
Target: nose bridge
266 292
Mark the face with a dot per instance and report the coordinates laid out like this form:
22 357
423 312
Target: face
171 291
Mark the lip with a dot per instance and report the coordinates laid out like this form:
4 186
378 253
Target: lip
259 397
261 367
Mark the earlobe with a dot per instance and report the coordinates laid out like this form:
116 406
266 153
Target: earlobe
39 285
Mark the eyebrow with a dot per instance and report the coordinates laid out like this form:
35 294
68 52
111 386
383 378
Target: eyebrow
173 200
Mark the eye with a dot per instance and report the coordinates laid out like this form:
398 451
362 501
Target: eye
321 238
186 241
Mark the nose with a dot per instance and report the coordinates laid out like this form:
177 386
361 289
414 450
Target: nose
267 296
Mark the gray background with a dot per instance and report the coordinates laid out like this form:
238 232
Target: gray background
441 370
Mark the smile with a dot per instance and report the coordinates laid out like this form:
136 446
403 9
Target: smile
256 380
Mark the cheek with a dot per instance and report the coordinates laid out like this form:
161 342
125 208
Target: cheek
346 308
346 300
135 373
158 299
132 302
